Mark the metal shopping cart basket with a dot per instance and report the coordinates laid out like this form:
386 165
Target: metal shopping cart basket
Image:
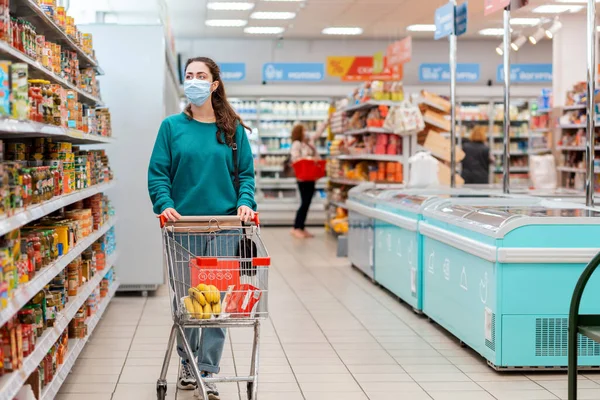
218 271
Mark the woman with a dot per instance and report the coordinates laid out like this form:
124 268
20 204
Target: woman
476 164
192 172
304 148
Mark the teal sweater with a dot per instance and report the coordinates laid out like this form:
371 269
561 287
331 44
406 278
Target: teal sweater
193 173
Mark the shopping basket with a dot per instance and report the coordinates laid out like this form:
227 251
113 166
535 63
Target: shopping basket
218 270
309 170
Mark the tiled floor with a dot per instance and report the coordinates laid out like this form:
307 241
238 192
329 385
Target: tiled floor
332 335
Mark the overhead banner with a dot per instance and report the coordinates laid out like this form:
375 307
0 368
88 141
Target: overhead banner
293 72
399 53
527 73
467 73
491 6
359 69
233 71
444 21
460 19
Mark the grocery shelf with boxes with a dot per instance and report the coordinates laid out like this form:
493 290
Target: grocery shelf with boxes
372 134
57 240
571 140
272 121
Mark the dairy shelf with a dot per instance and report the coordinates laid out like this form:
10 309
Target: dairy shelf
37 70
38 211
16 129
44 25
11 383
75 347
27 291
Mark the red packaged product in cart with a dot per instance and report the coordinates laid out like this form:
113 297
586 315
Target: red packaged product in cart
240 300
212 271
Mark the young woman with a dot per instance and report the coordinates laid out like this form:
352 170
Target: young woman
303 148
192 173
476 164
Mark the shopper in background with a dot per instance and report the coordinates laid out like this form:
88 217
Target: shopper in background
192 172
303 147
476 164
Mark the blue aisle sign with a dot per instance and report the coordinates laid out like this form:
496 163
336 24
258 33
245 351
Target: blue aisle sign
293 72
444 21
441 73
460 19
527 73
233 71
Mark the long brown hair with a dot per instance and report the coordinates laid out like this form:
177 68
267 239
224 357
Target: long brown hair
227 119
298 133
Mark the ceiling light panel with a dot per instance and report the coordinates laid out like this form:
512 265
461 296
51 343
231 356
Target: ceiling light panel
226 23
557 9
351 31
273 15
525 21
264 30
492 32
421 28
230 6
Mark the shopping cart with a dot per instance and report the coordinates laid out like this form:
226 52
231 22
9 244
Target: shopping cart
218 271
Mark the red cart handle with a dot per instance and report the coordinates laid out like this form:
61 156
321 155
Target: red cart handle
163 220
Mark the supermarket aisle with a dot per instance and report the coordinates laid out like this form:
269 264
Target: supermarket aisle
332 335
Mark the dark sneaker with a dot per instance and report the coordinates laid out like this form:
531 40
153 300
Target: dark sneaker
211 388
186 379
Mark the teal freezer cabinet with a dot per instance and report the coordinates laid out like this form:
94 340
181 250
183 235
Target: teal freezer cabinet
501 278
398 244
361 228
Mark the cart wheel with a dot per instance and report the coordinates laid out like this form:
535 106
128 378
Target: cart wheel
161 391
249 388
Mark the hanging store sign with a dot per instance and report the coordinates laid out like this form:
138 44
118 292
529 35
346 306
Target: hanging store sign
467 73
399 53
359 69
444 21
460 19
233 71
293 72
491 6
527 73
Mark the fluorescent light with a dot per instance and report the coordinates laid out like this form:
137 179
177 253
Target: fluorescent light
226 23
230 6
499 50
492 32
421 28
342 31
537 35
272 15
556 9
555 27
518 42
264 30
525 21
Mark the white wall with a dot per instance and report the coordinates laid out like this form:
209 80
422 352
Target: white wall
256 52
133 59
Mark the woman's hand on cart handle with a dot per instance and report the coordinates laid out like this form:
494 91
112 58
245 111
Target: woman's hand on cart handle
168 215
247 214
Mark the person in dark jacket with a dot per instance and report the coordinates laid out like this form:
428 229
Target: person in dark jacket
476 164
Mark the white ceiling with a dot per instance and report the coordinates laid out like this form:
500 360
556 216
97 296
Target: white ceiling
380 19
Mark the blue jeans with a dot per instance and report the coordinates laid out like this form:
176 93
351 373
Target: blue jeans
207 346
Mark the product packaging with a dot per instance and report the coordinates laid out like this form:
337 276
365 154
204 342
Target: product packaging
5 88
20 91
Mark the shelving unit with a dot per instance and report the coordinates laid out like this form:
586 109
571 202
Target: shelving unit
22 131
272 121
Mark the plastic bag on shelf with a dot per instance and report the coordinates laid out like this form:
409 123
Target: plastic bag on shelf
542 170
423 170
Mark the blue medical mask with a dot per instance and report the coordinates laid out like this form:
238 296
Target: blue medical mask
197 91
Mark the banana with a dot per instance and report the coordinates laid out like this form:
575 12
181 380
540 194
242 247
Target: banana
207 311
201 287
189 306
216 295
197 295
216 309
198 310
